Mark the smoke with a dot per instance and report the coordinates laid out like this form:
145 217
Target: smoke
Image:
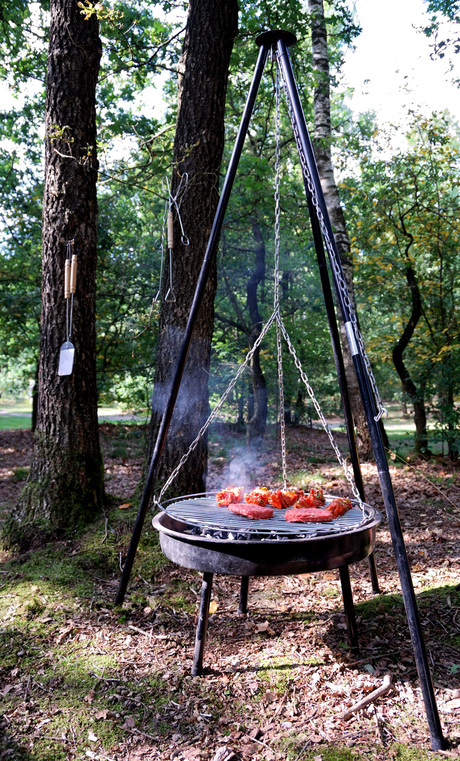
240 471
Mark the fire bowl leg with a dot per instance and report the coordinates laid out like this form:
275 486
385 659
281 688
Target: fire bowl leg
349 608
373 573
243 606
202 626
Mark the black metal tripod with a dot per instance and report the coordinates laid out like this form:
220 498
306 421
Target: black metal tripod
279 42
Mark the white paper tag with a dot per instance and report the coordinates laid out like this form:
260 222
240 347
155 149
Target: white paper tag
66 357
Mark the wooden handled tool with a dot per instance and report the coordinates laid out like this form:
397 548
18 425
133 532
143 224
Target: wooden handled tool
73 273
67 279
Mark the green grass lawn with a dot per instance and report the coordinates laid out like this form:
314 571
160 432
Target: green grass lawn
9 422
17 414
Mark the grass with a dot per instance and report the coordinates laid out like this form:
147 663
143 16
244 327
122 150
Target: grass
14 422
75 681
17 414
73 684
296 748
54 662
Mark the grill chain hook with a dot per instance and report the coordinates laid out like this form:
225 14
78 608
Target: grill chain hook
333 258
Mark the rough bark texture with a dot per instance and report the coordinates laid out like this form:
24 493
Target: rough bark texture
198 147
408 385
322 147
65 485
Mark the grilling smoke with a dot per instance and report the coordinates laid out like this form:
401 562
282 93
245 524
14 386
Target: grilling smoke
239 472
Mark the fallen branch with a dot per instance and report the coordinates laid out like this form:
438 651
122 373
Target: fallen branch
382 690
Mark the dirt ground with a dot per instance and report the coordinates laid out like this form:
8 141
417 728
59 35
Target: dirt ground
277 681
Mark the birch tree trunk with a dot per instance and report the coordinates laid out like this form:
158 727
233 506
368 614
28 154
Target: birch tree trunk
198 147
65 487
322 148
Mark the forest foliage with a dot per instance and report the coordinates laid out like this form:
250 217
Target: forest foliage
401 206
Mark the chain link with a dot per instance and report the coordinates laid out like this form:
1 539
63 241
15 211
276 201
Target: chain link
337 269
324 423
217 408
276 316
276 304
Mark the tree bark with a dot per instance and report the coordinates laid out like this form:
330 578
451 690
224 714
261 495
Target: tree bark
198 147
322 148
65 486
415 395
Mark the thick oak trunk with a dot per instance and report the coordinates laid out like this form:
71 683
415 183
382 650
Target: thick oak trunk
322 147
65 486
198 148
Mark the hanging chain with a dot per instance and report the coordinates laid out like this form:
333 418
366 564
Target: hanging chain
276 305
324 423
280 327
353 332
217 408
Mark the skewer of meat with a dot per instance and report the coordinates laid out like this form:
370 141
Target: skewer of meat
281 498
229 495
314 499
258 496
338 506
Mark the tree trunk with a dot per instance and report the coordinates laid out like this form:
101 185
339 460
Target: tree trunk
415 395
198 147
35 401
322 147
65 486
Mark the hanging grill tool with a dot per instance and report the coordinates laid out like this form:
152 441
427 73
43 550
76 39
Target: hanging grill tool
277 42
67 352
172 202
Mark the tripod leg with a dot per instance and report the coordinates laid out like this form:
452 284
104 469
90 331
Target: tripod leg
202 626
373 574
243 607
349 608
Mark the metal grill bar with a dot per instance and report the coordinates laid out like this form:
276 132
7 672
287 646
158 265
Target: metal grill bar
201 515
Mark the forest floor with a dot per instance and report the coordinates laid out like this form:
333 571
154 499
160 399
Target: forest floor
81 679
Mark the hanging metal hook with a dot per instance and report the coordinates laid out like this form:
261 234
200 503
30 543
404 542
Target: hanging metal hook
171 202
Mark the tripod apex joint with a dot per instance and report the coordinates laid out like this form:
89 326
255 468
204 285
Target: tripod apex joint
271 37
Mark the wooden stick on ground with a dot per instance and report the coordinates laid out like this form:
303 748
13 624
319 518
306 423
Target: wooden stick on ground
382 690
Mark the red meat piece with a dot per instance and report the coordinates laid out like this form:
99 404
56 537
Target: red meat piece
258 496
314 499
229 495
281 498
339 506
308 500
255 512
307 515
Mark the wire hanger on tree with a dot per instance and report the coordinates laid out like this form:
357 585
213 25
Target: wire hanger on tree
67 352
172 202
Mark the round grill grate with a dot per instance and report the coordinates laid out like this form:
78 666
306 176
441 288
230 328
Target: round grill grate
199 515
